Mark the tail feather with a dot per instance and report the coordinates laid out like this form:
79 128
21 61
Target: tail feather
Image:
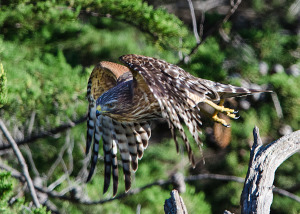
132 145
90 129
115 171
227 91
107 149
120 136
97 138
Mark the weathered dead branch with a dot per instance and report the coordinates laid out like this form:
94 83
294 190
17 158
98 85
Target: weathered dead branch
175 204
257 195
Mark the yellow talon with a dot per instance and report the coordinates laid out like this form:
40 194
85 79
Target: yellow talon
233 116
219 120
220 108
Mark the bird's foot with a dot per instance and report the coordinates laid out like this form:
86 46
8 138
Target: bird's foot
219 120
220 108
233 115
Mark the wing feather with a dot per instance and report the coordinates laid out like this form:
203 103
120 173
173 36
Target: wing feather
105 124
120 136
171 87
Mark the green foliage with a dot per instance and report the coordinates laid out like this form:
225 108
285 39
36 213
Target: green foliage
6 191
288 88
32 18
5 186
3 89
48 49
34 88
206 63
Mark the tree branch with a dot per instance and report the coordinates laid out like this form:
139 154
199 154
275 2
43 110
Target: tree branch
234 7
54 194
175 204
257 195
22 163
48 133
194 21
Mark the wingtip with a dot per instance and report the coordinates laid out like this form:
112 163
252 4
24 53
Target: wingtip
134 165
105 189
127 187
115 190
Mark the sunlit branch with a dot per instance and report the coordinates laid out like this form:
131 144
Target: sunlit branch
22 163
47 133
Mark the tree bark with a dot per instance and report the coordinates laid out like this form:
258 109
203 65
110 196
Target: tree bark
257 195
175 204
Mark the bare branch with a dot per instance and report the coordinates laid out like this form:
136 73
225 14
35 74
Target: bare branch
214 177
287 194
31 123
51 193
29 155
234 6
14 173
213 29
59 158
22 163
277 105
264 160
202 24
58 181
194 21
47 133
175 204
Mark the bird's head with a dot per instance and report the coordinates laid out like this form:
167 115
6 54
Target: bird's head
116 100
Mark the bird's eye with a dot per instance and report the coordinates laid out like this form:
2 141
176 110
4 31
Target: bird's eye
110 105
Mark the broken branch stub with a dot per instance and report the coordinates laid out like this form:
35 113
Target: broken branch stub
257 195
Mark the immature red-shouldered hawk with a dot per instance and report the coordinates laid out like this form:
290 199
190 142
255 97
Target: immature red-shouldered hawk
122 100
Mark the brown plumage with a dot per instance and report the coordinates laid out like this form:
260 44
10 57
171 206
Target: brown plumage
122 100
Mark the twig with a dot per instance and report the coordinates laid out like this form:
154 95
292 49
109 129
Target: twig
14 173
277 105
47 133
234 6
194 21
50 206
29 155
213 29
70 154
58 181
59 158
202 24
286 194
214 177
22 163
31 123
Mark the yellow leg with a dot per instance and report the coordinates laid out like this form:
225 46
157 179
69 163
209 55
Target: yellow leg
220 108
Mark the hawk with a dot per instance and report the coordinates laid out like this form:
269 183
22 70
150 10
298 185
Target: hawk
123 99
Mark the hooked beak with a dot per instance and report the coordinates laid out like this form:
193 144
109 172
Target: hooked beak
99 110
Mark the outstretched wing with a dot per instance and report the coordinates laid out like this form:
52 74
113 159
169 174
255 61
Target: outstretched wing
176 91
179 93
130 138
